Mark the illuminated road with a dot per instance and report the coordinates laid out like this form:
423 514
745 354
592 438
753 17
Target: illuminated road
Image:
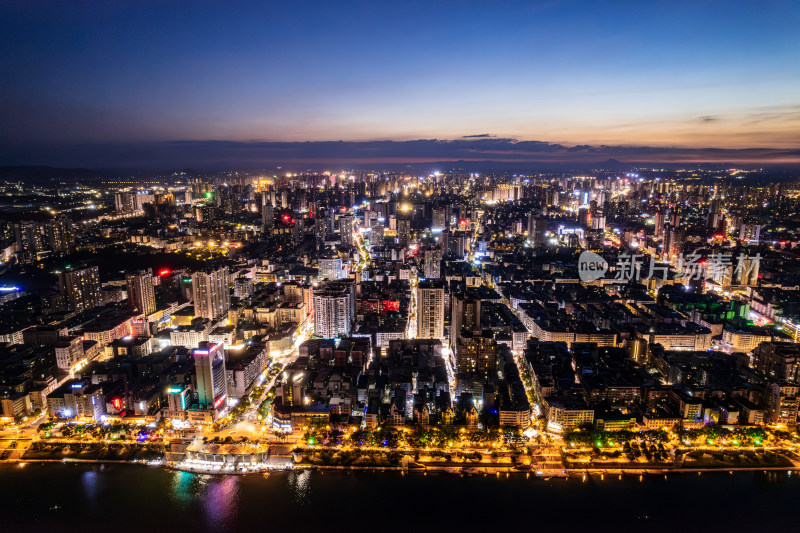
518 357
252 412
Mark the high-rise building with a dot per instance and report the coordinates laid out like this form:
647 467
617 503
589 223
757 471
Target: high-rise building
141 294
599 221
714 212
433 262
80 288
34 237
439 219
267 213
659 222
743 270
376 232
320 231
30 241
333 310
677 238
476 355
125 202
583 217
212 385
747 272
403 231
178 400
430 310
466 311
243 287
778 361
211 291
59 235
459 243
69 351
465 314
346 228
299 230
536 230
330 268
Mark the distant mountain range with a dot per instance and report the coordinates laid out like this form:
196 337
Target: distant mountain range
35 174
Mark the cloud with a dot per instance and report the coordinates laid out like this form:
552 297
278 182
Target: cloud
784 114
766 114
213 154
478 136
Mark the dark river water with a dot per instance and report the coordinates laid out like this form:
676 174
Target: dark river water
144 499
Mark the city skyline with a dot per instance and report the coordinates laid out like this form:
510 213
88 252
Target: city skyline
121 86
260 260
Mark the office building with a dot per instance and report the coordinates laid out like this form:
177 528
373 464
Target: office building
212 386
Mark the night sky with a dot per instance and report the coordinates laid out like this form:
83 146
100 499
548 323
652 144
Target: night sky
131 84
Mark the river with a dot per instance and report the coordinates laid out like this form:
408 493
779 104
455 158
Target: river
64 497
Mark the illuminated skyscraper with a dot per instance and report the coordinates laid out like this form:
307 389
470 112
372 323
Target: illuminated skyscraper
211 291
346 227
439 219
536 230
212 386
430 310
299 231
403 231
60 237
333 315
330 268
433 262
141 294
80 288
267 213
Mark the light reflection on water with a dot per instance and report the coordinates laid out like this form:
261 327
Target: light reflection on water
90 482
182 489
221 500
300 486
217 497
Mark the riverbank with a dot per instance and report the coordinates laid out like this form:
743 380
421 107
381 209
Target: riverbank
247 459
423 470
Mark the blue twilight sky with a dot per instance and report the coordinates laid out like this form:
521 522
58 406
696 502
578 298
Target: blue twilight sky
695 74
